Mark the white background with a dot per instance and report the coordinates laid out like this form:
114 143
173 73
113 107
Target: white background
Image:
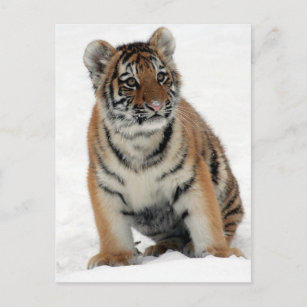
215 63
27 153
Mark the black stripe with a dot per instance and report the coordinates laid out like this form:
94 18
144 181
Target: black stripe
184 214
230 224
108 190
111 91
167 104
127 213
115 150
152 65
184 187
236 210
127 56
230 203
166 80
173 92
177 167
115 73
106 95
123 75
107 171
214 165
166 137
137 61
167 114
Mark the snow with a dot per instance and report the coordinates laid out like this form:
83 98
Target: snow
214 61
169 267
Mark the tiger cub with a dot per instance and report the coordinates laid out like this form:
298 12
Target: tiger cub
155 165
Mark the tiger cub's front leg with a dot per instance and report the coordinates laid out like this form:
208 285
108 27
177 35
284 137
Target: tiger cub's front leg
116 242
202 216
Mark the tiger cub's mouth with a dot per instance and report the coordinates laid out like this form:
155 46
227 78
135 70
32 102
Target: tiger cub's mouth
152 118
155 116
141 115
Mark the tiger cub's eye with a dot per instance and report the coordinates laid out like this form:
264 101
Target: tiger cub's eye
160 76
131 82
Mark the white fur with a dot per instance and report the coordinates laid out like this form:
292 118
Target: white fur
197 222
119 226
143 188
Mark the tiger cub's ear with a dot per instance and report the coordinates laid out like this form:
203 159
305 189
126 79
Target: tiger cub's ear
164 40
96 57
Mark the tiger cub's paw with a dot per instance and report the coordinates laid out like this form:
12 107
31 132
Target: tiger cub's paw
188 250
118 259
161 247
226 252
155 250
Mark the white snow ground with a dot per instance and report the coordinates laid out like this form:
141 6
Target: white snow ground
214 61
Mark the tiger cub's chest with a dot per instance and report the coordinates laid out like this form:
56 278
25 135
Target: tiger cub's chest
150 204
146 190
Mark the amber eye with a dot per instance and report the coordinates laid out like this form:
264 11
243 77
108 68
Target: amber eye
160 76
131 82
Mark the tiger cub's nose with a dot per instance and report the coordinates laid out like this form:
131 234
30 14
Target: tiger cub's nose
155 105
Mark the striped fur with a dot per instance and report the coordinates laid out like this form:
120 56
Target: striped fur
155 165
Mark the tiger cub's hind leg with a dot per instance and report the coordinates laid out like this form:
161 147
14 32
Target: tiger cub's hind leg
232 214
204 220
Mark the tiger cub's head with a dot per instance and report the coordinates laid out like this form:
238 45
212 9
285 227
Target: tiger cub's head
137 84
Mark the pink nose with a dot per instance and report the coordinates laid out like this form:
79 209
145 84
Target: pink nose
156 105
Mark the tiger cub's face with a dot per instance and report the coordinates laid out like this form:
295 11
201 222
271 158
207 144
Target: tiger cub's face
137 83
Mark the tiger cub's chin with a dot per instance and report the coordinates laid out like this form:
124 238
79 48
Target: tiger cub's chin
155 164
153 124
